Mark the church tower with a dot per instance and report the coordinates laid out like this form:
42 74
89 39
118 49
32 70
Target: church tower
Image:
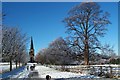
31 53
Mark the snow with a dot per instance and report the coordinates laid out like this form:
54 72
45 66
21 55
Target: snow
43 71
22 74
12 74
6 66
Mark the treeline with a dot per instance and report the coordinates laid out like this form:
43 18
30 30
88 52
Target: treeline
13 46
58 52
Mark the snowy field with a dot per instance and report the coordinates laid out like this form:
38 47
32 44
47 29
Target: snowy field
55 74
6 67
4 70
42 71
92 68
60 75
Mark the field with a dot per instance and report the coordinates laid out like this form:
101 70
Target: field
57 72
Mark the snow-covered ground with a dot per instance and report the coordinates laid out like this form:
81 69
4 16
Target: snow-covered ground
55 74
6 66
43 71
92 68
4 70
13 74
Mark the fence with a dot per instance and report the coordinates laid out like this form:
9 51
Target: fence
108 71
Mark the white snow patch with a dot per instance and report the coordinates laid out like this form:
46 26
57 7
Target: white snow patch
43 71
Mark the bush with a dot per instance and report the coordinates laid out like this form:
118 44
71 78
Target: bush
115 61
108 75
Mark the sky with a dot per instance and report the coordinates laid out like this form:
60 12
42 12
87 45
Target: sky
59 0
43 21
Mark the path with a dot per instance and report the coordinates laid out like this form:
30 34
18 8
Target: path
43 71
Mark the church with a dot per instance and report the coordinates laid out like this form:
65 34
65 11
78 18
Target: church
31 52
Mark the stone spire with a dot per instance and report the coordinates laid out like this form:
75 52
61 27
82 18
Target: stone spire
31 47
31 53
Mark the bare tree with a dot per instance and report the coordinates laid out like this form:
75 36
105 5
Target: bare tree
108 50
43 56
38 58
21 49
13 44
85 23
57 52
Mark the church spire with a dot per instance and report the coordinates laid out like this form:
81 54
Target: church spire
31 47
31 53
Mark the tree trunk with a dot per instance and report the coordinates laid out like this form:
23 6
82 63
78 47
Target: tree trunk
86 55
16 64
86 48
19 63
10 64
